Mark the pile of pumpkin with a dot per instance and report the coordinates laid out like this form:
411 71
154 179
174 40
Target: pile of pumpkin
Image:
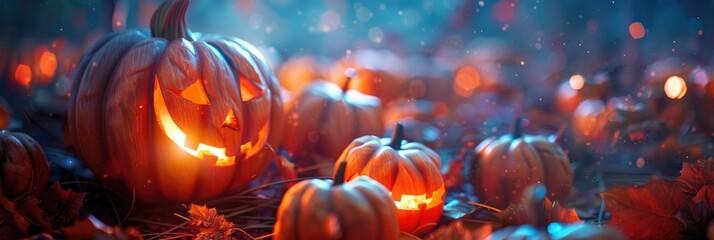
177 116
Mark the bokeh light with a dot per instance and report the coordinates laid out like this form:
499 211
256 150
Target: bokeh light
23 75
675 87
637 30
577 81
466 81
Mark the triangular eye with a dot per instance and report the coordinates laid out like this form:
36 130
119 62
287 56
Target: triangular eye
196 93
231 121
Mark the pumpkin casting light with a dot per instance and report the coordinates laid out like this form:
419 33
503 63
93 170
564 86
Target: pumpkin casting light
410 171
174 115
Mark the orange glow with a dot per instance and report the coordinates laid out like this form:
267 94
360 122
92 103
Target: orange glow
196 94
577 81
174 133
675 87
466 81
418 202
48 64
637 30
23 75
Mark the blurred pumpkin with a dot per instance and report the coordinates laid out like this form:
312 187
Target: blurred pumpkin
323 120
176 116
318 209
590 120
23 166
579 88
300 71
410 171
378 74
505 166
5 114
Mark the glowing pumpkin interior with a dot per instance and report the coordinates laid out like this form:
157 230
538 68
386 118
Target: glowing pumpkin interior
197 94
420 202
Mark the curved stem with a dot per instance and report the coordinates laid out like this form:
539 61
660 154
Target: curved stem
169 21
340 174
517 128
346 84
397 137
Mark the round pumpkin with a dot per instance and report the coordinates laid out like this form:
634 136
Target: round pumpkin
410 171
176 116
505 166
323 120
300 71
379 73
318 209
590 120
23 166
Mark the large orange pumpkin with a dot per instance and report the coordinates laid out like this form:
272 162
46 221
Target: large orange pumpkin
505 166
318 209
324 119
23 166
176 116
410 171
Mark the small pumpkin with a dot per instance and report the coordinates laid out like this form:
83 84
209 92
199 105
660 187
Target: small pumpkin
379 73
319 209
590 120
409 170
23 166
505 166
323 120
174 115
298 72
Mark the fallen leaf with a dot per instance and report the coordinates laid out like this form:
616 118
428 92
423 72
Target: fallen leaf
93 228
462 229
647 211
62 206
537 210
209 223
452 175
17 216
698 178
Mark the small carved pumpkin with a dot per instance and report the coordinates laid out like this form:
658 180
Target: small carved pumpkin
318 209
323 120
410 171
23 166
176 116
505 166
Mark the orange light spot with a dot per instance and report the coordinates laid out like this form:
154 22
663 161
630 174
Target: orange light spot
48 64
23 75
577 81
675 87
637 30
418 202
466 81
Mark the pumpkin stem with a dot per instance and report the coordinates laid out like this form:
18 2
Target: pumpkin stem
517 127
350 73
340 174
397 137
169 21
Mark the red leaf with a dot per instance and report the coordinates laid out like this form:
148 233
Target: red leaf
647 211
452 176
93 228
17 216
536 209
62 206
209 223
698 178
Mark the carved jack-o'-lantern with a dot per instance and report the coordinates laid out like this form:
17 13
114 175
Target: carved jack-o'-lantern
410 171
324 119
175 115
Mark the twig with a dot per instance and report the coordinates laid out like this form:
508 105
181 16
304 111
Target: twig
264 236
485 206
131 207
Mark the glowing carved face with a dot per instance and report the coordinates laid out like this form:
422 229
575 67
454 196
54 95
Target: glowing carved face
196 94
419 202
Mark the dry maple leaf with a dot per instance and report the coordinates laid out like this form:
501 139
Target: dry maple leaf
537 210
646 212
62 206
209 223
462 229
93 228
697 178
17 216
